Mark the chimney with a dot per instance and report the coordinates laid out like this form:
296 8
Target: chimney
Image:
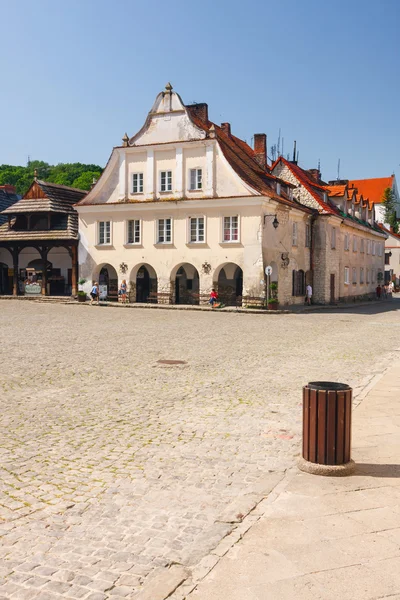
260 149
294 161
199 110
315 174
226 128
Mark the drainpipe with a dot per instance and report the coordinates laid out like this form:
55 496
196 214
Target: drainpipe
313 219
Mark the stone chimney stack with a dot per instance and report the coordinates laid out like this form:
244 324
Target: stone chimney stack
226 128
315 174
260 149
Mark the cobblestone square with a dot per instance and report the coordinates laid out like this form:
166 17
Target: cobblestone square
113 464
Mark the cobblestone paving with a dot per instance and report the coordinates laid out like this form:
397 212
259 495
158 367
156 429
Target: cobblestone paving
112 465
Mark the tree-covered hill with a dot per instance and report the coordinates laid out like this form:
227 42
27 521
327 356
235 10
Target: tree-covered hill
72 174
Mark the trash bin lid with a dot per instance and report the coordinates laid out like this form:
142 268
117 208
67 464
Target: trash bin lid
328 386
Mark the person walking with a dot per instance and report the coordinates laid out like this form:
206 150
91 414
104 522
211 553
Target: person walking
123 291
378 292
308 294
95 293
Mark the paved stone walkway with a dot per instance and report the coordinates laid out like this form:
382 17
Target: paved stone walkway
114 466
322 538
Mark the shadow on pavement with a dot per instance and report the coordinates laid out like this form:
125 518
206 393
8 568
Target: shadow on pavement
372 309
376 470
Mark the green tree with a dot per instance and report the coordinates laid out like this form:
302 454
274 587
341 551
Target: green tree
390 209
84 181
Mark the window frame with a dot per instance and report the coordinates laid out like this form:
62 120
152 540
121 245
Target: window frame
355 243
195 170
346 276
346 242
139 183
98 236
134 243
295 234
333 238
308 235
160 184
189 229
362 275
354 276
230 241
164 242
362 246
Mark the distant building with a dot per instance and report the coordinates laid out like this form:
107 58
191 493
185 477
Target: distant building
373 190
348 246
184 206
39 240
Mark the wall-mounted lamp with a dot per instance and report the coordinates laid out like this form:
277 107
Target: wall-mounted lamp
275 222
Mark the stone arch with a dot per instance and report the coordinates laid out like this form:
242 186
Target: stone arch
185 284
228 281
107 277
143 283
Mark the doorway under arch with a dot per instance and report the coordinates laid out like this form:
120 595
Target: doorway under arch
230 284
186 284
108 283
146 284
5 280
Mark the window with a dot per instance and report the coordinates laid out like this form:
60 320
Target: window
373 248
294 234
231 229
362 275
333 238
346 275
165 181
196 179
308 236
164 231
278 189
380 249
355 243
137 183
368 246
196 229
367 275
346 241
387 258
362 246
373 277
354 275
104 232
134 231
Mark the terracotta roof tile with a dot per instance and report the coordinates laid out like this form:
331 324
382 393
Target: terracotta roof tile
336 190
372 189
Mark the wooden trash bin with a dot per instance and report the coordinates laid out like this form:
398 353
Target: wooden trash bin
327 428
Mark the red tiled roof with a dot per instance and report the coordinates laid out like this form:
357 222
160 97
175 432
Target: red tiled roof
336 191
311 186
372 189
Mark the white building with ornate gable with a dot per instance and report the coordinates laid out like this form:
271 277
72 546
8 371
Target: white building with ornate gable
184 206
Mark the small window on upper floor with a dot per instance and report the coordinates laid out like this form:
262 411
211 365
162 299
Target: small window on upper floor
196 179
164 231
196 233
346 275
165 181
133 232
355 243
308 235
278 189
294 234
333 238
104 233
137 183
346 241
362 245
231 229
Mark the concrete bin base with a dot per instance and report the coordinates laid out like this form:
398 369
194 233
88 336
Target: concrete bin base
327 470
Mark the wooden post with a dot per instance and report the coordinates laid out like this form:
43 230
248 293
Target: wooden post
74 261
15 255
44 252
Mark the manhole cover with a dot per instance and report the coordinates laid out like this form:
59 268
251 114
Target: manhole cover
172 362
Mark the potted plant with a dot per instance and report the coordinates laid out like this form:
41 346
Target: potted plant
273 296
81 293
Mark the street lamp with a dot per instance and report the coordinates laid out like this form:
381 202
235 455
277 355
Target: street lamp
275 222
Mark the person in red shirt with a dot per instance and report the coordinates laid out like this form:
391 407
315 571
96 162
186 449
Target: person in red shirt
213 298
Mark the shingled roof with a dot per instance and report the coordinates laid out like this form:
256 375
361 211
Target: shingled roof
372 189
8 197
43 196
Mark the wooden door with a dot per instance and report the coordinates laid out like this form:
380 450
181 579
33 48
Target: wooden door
332 287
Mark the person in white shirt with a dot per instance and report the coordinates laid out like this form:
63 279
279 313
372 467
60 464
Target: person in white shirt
308 294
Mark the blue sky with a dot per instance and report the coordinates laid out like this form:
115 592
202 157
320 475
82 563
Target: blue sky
76 75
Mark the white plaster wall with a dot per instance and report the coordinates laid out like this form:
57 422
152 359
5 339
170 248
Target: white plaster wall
136 163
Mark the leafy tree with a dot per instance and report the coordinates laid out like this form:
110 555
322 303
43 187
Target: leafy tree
390 209
70 174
